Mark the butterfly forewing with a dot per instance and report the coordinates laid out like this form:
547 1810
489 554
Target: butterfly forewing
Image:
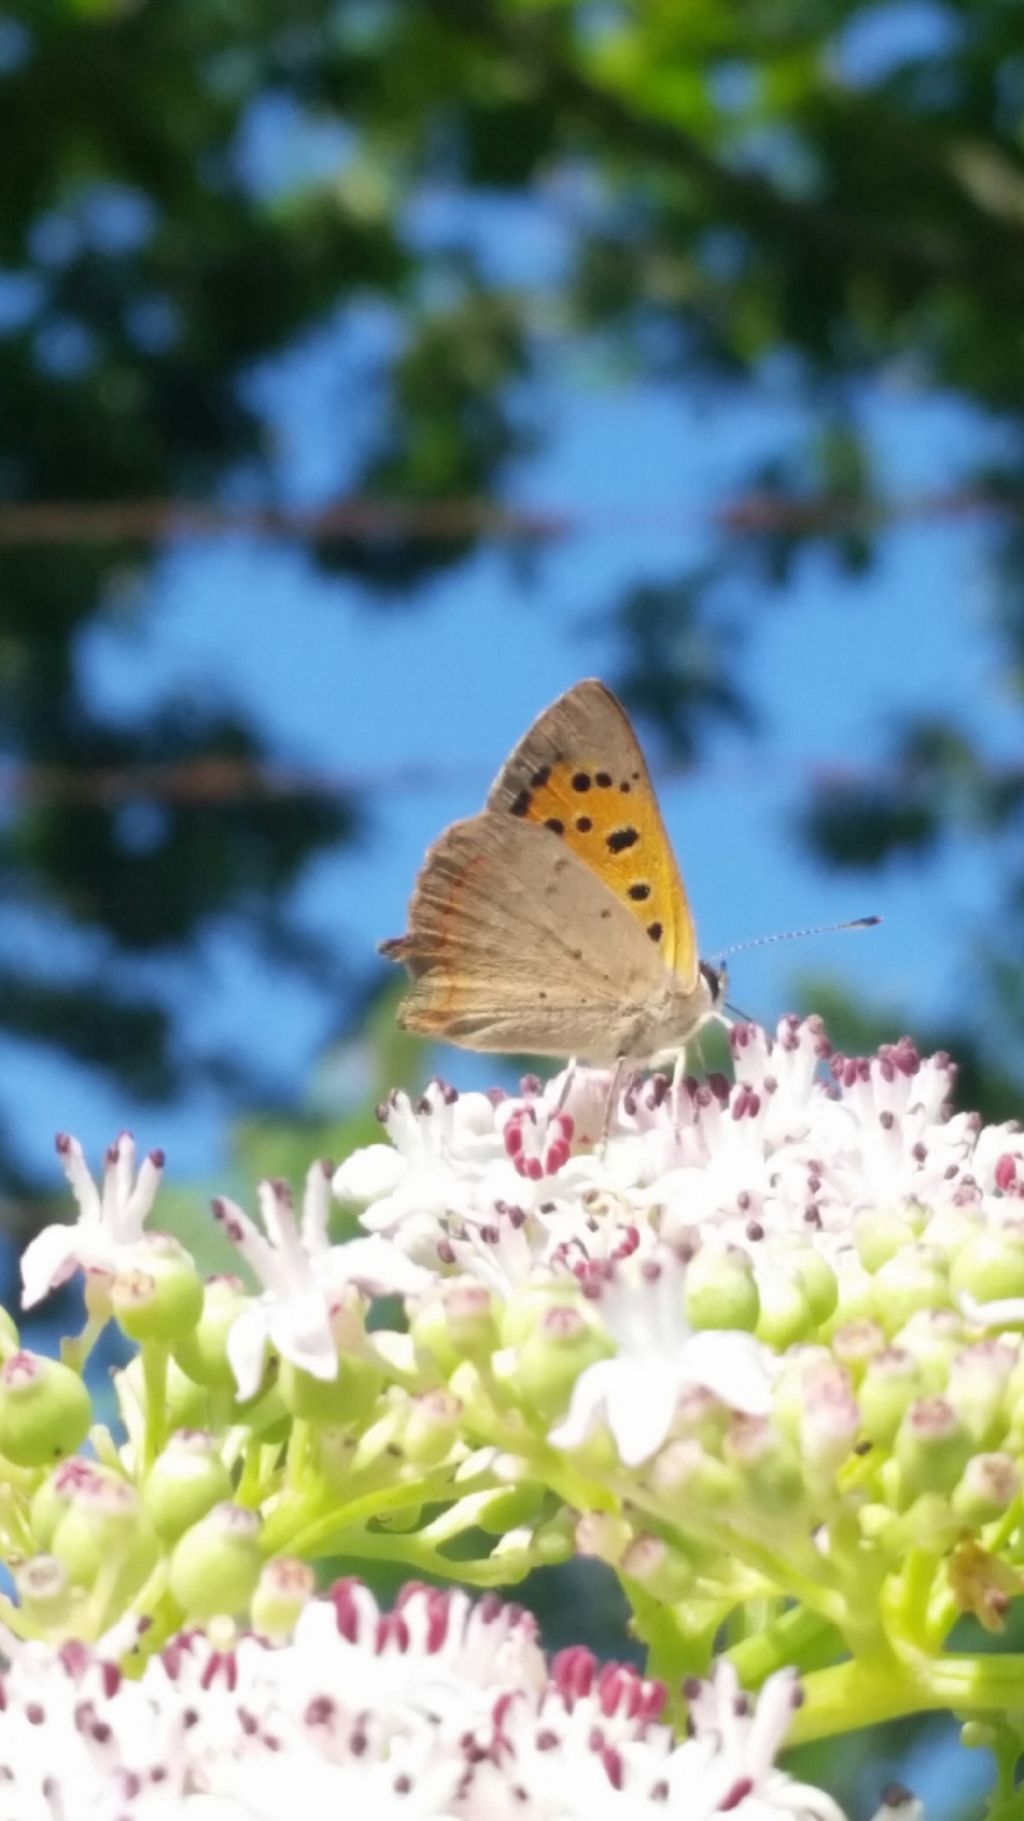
515 945
579 773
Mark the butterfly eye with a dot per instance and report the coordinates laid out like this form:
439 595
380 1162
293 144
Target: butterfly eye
716 979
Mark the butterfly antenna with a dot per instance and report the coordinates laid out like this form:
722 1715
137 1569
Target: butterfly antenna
790 935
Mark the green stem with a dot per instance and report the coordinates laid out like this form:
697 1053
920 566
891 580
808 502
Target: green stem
155 1355
796 1637
861 1694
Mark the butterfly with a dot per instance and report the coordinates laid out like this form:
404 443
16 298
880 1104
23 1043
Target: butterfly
556 922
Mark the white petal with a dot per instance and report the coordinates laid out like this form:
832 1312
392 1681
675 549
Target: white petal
247 1343
368 1174
47 1260
377 1265
301 1331
641 1405
585 1405
732 1366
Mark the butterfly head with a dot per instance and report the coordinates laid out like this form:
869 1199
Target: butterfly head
716 980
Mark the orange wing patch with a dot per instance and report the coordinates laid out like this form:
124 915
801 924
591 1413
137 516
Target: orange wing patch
579 772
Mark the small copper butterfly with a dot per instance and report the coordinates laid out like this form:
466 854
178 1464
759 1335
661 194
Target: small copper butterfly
556 921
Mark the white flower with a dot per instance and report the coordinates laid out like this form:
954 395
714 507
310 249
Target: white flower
108 1232
440 1710
658 1356
303 1276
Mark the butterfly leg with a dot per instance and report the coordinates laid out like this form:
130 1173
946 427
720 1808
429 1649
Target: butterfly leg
570 1077
614 1089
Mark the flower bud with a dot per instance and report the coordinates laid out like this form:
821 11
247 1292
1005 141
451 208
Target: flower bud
52 1498
552 1357
817 1280
772 1478
685 1474
284 1590
856 1344
458 1321
160 1299
721 1289
510 1509
879 1233
45 1410
44 1592
350 1395
912 1279
785 1316
203 1351
184 1483
990 1265
933 1336
604 1536
555 1541
216 1565
890 1385
662 1572
524 1311
987 1489
103 1525
431 1427
931 1449
979 1377
831 1419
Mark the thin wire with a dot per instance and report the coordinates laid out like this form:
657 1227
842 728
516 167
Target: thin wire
83 522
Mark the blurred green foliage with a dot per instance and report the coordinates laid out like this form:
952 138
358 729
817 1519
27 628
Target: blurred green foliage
812 190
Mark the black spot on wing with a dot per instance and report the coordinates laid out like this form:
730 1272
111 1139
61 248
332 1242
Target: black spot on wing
639 892
556 827
520 805
603 779
621 838
540 777
581 780
654 931
583 825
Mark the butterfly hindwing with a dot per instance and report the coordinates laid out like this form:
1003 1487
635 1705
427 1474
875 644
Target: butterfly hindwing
579 773
515 945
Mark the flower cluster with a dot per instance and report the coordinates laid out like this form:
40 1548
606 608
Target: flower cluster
755 1344
434 1711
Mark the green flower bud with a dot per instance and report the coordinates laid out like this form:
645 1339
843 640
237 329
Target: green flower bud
880 1233
856 1289
979 1378
773 1480
662 1572
431 1427
817 1280
721 1289
789 1395
184 1483
9 1341
785 1310
989 1485
103 1525
931 1448
555 1541
457 1321
552 1357
933 1336
912 1279
523 1313
44 1592
203 1351
856 1344
350 1395
684 1475
990 1265
284 1590
52 1498
604 1536
216 1565
507 1510
160 1299
45 1411
890 1385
